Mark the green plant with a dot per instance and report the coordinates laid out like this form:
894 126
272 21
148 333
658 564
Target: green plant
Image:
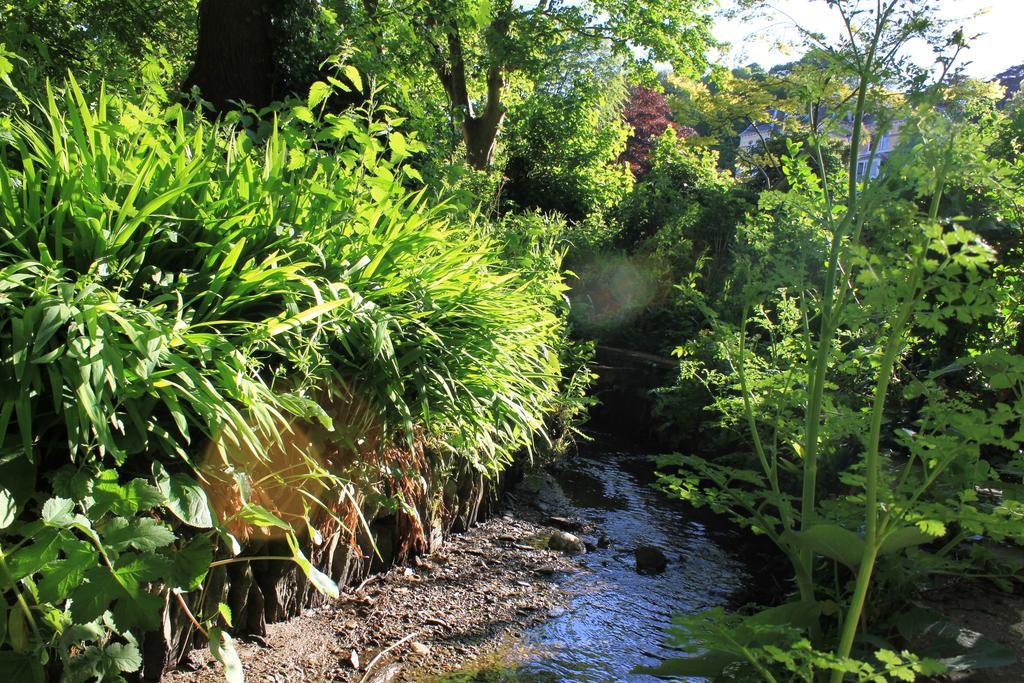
816 358
256 304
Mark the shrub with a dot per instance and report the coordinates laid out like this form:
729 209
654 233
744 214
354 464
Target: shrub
178 291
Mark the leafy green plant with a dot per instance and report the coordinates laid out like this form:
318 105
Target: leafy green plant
237 303
818 356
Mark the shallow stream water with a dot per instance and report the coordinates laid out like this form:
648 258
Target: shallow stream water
615 618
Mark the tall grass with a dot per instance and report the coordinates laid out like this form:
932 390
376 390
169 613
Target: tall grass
172 285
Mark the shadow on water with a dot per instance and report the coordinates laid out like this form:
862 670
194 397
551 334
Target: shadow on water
615 618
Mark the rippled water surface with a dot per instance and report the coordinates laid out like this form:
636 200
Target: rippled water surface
615 619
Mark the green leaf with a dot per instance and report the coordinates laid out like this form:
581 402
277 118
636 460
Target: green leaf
138 613
190 564
318 93
142 533
397 142
303 114
24 668
222 647
139 496
57 512
124 657
186 499
17 631
126 501
94 595
132 570
830 540
63 576
352 74
225 613
106 492
8 508
19 478
904 537
320 581
31 559
802 614
932 527
707 665
258 515
481 12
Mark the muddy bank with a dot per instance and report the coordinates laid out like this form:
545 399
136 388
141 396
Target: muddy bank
483 587
408 512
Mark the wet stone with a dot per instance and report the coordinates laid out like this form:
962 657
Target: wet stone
566 542
650 559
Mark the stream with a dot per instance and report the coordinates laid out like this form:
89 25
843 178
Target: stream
615 618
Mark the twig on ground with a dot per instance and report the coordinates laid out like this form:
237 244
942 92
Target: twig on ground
389 648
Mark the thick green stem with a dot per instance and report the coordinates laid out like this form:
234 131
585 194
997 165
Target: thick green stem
812 425
860 592
893 347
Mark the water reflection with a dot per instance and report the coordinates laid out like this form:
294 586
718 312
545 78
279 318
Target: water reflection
615 619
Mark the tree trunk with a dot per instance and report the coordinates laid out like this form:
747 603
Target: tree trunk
234 54
481 137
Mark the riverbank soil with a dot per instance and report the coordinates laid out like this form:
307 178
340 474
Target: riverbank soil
981 607
440 614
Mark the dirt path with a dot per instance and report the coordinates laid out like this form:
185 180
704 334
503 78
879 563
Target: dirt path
484 586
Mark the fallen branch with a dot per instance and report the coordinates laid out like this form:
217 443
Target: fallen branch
389 648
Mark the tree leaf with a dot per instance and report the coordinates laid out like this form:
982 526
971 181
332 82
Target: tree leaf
63 576
320 581
132 570
225 613
138 612
258 515
303 114
94 595
30 559
802 614
24 668
397 142
139 496
17 631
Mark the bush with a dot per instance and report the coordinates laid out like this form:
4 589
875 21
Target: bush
180 294
563 149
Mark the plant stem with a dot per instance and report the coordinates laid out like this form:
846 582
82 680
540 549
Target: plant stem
893 347
22 604
253 558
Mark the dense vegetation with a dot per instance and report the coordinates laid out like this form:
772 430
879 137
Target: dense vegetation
250 286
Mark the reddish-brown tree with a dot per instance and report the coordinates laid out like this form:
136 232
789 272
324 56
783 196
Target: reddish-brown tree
649 115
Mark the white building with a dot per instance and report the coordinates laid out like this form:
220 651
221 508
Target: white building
759 132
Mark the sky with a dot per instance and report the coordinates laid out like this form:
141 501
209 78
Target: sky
1000 23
